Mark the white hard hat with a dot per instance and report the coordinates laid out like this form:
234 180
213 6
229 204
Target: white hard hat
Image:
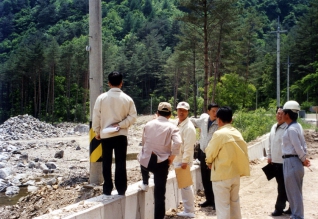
292 105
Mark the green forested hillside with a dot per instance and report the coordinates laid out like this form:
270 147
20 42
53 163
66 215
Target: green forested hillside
194 50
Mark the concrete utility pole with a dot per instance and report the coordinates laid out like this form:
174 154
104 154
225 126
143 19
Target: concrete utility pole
278 60
95 85
288 66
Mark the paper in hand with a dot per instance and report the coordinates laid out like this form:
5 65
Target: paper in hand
110 129
184 178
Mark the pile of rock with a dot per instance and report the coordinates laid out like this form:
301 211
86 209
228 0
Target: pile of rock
25 127
18 169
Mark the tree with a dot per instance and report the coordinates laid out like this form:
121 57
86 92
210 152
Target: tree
198 14
52 58
147 8
230 90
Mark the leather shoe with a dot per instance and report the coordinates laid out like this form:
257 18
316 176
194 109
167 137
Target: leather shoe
277 213
205 204
287 211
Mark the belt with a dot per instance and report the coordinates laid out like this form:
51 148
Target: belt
289 155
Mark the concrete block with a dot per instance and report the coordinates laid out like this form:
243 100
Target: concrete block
139 204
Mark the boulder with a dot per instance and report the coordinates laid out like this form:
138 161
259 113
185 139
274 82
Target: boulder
31 165
2 165
82 128
24 157
33 188
59 154
12 190
51 165
3 185
5 172
51 182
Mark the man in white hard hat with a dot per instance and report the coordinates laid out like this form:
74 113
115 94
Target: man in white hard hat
294 150
185 158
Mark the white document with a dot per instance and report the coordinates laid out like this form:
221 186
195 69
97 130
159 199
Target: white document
110 129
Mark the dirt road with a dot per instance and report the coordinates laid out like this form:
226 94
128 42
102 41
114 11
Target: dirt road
258 196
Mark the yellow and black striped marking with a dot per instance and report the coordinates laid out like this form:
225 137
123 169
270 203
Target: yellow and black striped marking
95 146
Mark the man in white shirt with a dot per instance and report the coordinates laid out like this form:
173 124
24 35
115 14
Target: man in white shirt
114 108
208 126
274 157
185 158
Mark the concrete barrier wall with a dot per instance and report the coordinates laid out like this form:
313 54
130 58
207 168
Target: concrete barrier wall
258 149
138 204
134 205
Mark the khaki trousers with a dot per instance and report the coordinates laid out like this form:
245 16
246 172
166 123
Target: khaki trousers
227 200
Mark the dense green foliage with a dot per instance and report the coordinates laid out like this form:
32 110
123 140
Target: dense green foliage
194 50
254 124
259 122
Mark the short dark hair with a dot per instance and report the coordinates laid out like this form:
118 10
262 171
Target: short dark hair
293 116
164 113
225 114
115 78
211 105
279 107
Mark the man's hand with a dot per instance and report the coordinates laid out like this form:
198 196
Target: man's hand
155 116
269 160
306 163
209 166
184 165
171 158
97 136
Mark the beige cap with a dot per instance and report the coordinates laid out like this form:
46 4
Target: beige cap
183 105
164 107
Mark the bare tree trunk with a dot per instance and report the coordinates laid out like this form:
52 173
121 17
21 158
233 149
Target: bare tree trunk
247 73
48 95
35 99
194 84
176 84
206 58
40 102
53 94
22 96
217 75
68 91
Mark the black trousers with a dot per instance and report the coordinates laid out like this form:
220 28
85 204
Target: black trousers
206 179
118 144
160 173
282 196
